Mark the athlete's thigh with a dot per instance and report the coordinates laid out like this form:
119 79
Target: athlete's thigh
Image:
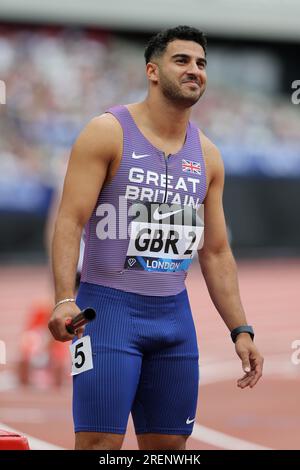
166 398
103 395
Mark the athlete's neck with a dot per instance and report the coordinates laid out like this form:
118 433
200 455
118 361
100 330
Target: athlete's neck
164 119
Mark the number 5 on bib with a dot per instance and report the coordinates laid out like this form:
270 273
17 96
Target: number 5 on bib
81 354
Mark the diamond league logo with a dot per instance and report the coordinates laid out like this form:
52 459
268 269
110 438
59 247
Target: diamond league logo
131 262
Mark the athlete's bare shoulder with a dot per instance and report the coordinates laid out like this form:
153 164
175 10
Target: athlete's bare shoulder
212 156
106 119
210 150
103 136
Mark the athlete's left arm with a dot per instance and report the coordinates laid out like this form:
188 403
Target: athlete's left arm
219 268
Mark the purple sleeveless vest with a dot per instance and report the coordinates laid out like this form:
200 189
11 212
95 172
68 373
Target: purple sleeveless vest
145 175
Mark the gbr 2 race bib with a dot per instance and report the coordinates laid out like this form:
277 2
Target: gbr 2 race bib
164 237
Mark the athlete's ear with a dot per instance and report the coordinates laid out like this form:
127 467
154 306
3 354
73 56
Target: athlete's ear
152 72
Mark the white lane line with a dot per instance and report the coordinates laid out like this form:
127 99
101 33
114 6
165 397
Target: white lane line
279 365
224 441
34 443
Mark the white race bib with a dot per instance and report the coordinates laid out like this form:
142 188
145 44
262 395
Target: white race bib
164 238
81 354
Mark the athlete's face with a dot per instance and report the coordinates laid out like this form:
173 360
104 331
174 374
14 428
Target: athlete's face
181 72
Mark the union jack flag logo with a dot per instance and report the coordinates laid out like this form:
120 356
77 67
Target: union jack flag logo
191 167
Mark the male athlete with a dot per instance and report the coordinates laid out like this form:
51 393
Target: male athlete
145 165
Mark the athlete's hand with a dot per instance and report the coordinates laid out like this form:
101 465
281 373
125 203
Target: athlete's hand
59 317
252 361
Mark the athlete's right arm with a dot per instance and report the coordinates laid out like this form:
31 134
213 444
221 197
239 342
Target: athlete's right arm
92 154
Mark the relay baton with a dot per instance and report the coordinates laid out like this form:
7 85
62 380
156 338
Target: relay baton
87 315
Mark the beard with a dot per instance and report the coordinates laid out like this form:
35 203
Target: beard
182 97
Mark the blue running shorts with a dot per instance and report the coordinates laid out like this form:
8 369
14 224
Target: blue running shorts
145 361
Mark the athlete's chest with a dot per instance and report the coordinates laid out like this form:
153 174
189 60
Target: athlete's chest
147 174
155 177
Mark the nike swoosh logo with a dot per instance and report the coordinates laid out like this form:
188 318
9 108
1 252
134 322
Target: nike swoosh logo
189 421
136 157
158 216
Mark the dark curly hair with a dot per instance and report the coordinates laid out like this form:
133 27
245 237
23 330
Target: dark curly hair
158 43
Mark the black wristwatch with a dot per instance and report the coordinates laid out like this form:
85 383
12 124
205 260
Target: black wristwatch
241 329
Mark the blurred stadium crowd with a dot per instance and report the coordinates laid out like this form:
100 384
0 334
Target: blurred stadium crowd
57 79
